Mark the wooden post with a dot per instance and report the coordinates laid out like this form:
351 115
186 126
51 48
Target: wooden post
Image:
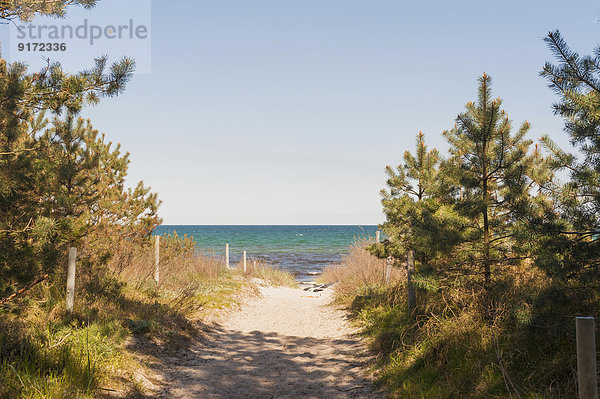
71 279
388 268
244 261
156 259
377 237
410 269
254 264
586 358
227 255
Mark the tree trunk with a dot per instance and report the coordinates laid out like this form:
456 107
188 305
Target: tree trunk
487 273
486 241
410 269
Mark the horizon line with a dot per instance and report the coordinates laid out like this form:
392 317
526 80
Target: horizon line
272 224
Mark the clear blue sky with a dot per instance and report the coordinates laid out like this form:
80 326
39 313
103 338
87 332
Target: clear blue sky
286 112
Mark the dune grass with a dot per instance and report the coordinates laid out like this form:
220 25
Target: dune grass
359 271
96 351
45 353
450 347
270 274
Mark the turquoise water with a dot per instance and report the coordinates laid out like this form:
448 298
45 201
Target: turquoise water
303 250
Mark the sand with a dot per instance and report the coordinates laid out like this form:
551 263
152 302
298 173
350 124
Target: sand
288 343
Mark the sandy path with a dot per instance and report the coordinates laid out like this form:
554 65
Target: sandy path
287 344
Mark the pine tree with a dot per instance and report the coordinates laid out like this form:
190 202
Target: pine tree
412 208
76 195
576 80
418 176
27 218
418 209
409 183
89 198
568 247
488 166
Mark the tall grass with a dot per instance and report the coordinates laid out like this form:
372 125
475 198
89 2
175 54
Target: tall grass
179 264
451 347
45 353
360 272
270 274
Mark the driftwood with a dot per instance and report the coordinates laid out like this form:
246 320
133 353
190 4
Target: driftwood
24 289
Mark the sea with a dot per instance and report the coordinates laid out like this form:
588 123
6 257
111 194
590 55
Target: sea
302 250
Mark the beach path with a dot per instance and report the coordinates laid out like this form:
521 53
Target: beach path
287 343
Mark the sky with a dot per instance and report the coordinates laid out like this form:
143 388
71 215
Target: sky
287 112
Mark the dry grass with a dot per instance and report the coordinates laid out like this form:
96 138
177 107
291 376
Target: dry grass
45 353
259 268
449 347
179 264
191 282
359 271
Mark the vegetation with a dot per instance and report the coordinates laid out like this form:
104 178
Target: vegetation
62 184
358 273
59 178
506 253
121 323
269 274
24 10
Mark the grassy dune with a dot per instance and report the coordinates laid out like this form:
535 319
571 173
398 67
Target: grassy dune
122 322
449 348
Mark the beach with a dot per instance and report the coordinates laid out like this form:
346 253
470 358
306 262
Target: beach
285 343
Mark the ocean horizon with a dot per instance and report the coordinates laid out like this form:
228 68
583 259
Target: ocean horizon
304 250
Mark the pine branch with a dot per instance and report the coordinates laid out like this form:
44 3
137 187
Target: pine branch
24 289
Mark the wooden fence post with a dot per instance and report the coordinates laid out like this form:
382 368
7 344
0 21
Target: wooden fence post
410 269
377 237
156 259
388 268
244 261
586 358
227 255
71 280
